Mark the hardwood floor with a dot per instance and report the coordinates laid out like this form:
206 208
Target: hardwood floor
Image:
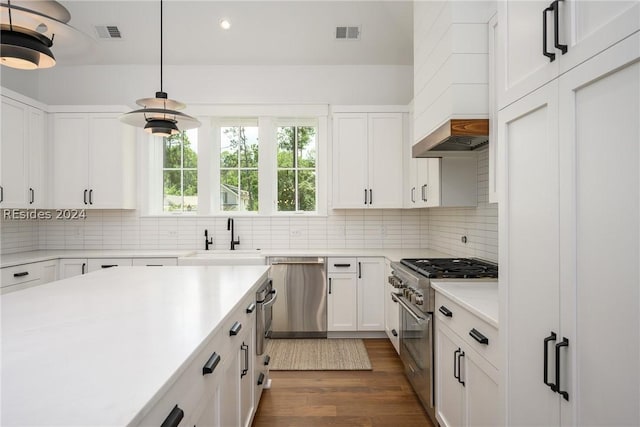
380 397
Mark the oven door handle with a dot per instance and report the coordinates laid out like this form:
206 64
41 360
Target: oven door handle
272 300
409 310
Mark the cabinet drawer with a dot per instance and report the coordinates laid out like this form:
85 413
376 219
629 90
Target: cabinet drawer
342 265
36 271
469 327
154 262
100 263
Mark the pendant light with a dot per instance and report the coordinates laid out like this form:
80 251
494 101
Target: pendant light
23 48
159 116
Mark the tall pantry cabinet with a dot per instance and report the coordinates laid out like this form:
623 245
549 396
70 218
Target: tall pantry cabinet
569 153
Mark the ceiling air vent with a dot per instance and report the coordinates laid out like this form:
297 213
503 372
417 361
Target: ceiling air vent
108 32
348 33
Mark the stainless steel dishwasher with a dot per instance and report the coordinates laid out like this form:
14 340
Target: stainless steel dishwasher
301 308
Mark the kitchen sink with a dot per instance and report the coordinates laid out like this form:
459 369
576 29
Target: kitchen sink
224 257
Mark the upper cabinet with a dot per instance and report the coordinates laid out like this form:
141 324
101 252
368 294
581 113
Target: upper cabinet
543 39
23 156
450 63
367 160
93 161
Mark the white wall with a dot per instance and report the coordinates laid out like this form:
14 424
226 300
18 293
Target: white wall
122 85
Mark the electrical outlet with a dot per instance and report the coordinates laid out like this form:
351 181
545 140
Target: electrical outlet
295 232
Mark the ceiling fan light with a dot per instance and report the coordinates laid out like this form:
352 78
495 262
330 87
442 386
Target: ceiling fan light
24 51
161 127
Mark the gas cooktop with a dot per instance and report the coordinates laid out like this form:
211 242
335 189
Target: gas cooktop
452 268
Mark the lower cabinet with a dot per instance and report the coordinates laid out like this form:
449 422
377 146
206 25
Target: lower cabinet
27 275
466 382
69 267
391 312
355 300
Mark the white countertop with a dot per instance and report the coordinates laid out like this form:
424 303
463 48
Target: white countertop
9 260
479 297
96 349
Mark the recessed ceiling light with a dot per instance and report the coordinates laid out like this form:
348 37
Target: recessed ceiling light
225 24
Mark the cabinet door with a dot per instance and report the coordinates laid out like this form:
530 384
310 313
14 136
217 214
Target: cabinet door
230 392
385 167
349 160
37 196
448 390
70 155
342 314
600 194
481 391
371 280
523 67
14 193
430 184
247 379
529 241
111 162
72 267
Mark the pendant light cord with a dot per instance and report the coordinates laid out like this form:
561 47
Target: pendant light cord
10 21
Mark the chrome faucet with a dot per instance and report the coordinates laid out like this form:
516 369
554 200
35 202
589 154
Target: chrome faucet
207 241
230 227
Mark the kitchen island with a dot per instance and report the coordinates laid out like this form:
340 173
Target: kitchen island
106 348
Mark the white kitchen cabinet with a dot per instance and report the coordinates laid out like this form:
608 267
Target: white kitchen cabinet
585 27
367 160
23 157
391 311
569 248
154 262
466 379
93 161
356 294
27 275
69 267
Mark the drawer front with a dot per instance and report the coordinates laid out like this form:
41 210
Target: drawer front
342 265
21 274
100 263
154 262
469 327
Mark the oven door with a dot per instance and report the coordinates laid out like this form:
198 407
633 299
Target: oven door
416 351
264 318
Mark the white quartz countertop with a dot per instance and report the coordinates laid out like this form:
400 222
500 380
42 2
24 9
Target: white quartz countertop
479 297
9 260
98 349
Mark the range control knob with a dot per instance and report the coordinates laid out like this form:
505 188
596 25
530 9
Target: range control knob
419 299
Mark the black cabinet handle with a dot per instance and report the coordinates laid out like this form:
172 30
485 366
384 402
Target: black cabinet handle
235 328
90 197
551 337
460 356
329 285
476 335
342 265
556 24
267 359
251 307
260 378
456 373
21 274
445 311
108 265
85 196
245 348
32 196
173 419
1 194
550 55
365 196
563 343
359 270
370 196
84 265
394 332
211 364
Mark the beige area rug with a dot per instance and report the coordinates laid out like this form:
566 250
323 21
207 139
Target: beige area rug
339 354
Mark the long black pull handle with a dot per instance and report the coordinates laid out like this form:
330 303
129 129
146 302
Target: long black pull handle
235 328
32 196
550 55
370 196
365 196
460 356
359 270
211 364
329 285
556 28
342 265
245 348
267 359
445 311
21 274
1 194
108 265
251 307
84 266
173 419
551 337
85 196
563 343
90 197
455 365
477 335
260 378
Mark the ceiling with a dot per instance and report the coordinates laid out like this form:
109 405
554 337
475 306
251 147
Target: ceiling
262 33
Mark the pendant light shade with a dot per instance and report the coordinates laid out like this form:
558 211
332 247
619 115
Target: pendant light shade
159 115
25 51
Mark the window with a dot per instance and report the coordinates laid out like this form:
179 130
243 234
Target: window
239 167
180 172
296 170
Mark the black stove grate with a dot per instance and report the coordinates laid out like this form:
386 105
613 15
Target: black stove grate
452 268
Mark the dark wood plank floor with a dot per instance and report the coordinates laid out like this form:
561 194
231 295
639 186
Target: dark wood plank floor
381 397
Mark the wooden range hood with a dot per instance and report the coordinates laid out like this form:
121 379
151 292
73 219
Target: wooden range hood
455 135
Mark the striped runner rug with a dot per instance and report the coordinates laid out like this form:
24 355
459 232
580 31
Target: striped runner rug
334 354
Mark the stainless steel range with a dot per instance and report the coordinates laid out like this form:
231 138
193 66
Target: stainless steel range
411 278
